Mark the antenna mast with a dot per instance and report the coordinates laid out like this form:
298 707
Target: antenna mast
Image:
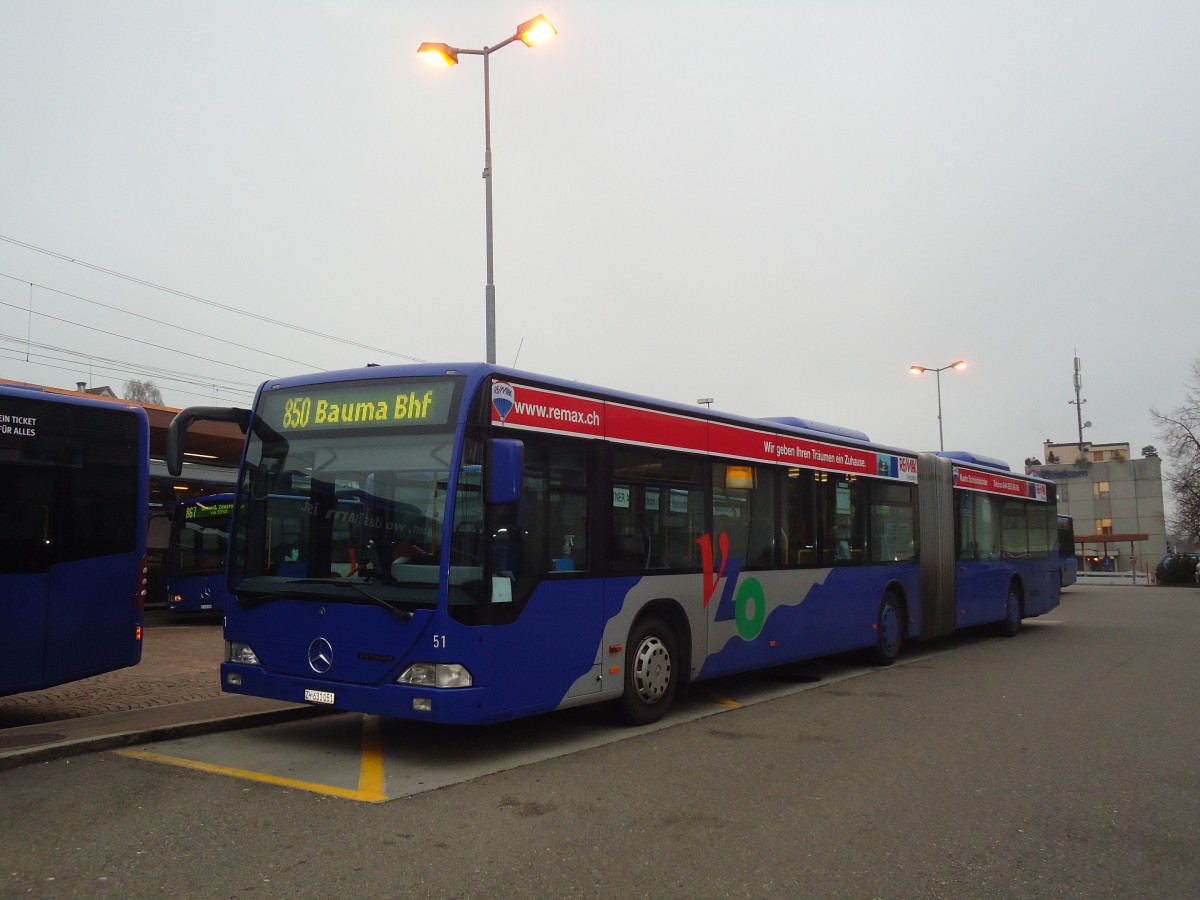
1078 402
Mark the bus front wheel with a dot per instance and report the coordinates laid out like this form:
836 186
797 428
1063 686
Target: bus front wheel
650 672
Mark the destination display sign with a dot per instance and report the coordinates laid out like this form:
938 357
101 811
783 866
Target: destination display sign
522 406
360 404
998 483
207 511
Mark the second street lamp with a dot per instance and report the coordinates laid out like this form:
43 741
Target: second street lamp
535 31
920 370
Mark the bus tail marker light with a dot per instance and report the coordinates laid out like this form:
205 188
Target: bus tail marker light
614 649
137 632
615 670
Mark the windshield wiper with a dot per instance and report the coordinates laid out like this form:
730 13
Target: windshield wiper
259 597
256 597
403 614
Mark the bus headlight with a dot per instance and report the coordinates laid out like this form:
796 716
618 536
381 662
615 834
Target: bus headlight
236 652
441 675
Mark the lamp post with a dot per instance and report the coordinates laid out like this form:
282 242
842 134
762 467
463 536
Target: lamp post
921 370
535 31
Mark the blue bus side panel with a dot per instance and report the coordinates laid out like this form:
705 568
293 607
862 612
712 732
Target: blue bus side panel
809 613
560 651
77 632
982 588
87 637
23 608
1043 590
980 591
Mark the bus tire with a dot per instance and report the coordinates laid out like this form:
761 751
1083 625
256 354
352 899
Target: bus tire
651 672
1011 623
889 630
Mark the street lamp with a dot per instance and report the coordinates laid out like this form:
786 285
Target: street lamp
535 31
920 370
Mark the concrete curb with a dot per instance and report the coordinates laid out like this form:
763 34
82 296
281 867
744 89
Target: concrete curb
48 741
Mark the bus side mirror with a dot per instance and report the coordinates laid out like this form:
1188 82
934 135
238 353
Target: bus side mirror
177 430
505 462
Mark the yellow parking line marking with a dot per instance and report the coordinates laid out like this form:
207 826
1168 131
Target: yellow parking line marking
370 778
370 774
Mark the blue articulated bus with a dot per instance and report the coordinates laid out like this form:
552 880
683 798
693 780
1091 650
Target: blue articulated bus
196 555
467 544
72 536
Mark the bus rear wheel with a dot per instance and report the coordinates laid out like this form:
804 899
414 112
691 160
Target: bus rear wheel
1011 623
650 672
889 631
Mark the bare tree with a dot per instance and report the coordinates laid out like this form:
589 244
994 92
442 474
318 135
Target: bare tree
143 392
1180 431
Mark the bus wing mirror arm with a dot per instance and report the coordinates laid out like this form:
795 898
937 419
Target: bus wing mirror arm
177 430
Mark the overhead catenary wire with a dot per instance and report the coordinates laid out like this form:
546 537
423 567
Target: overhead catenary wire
212 303
214 388
191 331
123 367
138 341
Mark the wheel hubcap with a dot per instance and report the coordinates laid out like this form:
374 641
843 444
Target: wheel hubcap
652 669
890 630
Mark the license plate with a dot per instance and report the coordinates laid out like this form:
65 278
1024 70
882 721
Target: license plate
318 696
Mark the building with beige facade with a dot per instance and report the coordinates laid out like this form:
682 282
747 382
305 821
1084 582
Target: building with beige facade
1115 500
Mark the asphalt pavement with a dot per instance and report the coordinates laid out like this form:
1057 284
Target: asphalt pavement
174 691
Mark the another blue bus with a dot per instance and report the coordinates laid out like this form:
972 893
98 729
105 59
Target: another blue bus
521 544
1068 562
196 579
72 536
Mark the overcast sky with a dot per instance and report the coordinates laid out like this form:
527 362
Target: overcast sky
779 205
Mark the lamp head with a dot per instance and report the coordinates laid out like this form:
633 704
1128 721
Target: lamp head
438 54
536 31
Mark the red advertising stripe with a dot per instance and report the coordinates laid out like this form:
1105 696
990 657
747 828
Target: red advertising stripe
991 483
630 424
550 411
521 406
730 440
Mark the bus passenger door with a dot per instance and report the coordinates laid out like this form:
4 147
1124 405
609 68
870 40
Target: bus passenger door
981 571
579 610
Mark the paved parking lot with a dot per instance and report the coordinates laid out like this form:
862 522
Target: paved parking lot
180 661
174 690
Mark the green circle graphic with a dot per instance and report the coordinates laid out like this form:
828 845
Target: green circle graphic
751 590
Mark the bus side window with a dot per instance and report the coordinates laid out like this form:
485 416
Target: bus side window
744 508
799 520
24 536
892 522
630 542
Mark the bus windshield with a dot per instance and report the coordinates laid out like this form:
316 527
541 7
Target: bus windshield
200 536
352 517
